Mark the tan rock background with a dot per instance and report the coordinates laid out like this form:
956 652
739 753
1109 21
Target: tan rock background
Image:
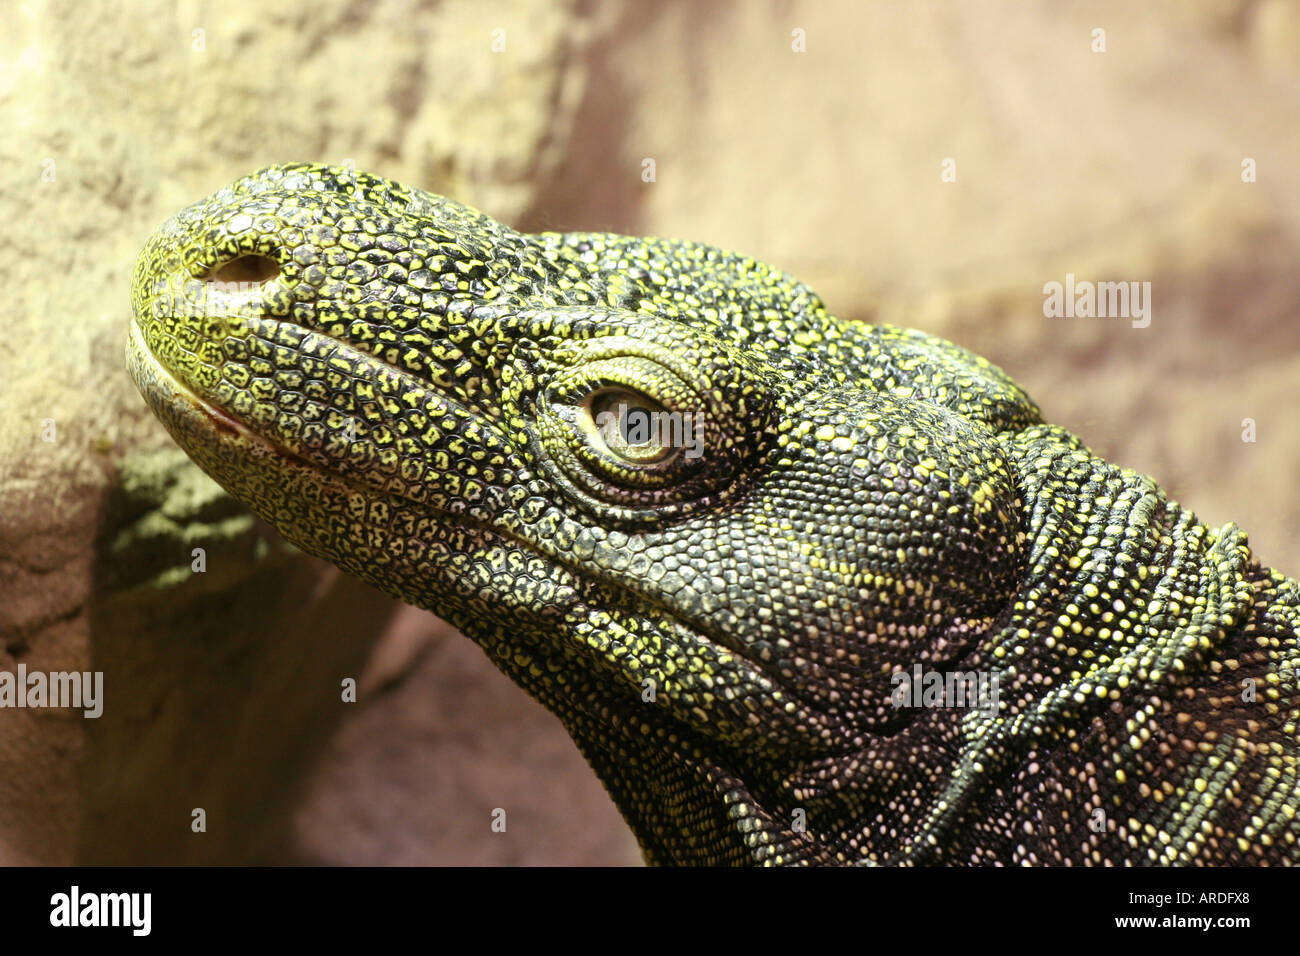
222 687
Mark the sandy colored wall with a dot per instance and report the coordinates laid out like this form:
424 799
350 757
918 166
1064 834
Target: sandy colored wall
826 161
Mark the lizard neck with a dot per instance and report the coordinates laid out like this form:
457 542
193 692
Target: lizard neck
1128 609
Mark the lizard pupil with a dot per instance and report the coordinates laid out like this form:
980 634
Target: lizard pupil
629 425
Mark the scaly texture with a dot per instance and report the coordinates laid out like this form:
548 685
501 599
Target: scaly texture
721 616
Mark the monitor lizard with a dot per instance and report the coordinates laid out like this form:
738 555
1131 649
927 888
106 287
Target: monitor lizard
748 619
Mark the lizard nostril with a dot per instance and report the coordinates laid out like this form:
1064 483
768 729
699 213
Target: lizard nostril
250 269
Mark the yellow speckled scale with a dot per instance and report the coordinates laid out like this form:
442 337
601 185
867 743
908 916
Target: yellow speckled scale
418 393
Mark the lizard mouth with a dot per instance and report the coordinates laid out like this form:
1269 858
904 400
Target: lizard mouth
173 401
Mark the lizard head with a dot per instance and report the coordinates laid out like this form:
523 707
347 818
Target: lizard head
700 519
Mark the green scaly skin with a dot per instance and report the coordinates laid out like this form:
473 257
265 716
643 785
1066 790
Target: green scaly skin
404 387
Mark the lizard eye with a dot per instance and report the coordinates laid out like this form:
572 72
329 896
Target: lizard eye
626 430
635 431
631 426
